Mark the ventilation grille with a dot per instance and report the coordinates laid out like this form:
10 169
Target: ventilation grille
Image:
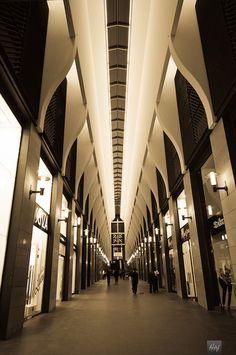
23 28
229 10
161 190
70 167
149 221
192 116
173 163
13 23
81 192
154 207
50 120
197 113
217 27
54 122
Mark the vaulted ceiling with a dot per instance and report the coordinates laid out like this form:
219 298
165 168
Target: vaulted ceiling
129 43
129 51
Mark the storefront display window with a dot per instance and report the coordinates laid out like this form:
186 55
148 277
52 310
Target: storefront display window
171 252
216 224
64 211
186 245
75 250
45 181
36 272
75 231
62 249
60 277
74 271
10 137
35 282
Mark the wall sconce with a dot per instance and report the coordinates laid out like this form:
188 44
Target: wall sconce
156 231
224 237
209 210
40 191
186 217
43 179
66 214
86 232
167 221
141 245
145 239
77 223
149 239
94 240
214 183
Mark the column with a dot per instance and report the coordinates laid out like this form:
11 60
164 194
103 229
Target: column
89 257
225 175
78 259
178 253
67 289
50 282
15 274
84 257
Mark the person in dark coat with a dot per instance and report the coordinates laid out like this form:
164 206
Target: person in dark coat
134 278
151 277
155 280
226 284
108 277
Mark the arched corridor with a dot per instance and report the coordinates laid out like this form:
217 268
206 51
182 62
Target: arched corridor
111 320
117 152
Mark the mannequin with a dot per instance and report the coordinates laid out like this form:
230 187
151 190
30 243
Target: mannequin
226 284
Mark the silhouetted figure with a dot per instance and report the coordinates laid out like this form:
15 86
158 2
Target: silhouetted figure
226 284
116 275
134 278
108 277
151 281
155 280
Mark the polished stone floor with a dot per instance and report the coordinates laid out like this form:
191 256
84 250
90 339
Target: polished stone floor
112 321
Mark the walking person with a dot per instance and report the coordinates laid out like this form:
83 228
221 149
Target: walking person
134 278
155 280
108 277
226 284
151 281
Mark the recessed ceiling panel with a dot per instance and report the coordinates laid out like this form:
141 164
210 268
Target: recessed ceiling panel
118 37
118 34
117 57
117 12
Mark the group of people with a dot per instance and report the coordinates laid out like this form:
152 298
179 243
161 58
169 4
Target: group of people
152 279
153 276
116 275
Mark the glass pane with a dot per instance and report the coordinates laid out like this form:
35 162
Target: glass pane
10 136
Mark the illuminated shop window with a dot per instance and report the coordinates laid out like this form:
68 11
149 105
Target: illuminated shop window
10 136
